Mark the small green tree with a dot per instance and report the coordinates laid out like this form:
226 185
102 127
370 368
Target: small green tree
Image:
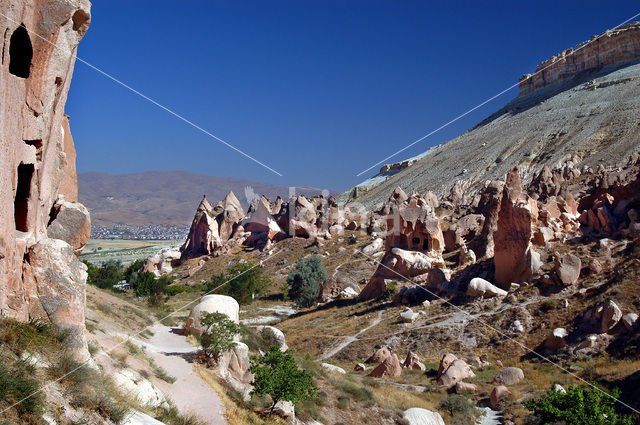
146 284
277 374
305 279
131 271
218 334
105 276
578 406
243 282
459 407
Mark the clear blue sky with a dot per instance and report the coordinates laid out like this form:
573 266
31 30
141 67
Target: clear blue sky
318 90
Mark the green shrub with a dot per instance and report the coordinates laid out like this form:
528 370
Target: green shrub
146 284
304 281
457 405
277 374
131 271
218 334
390 290
16 386
578 406
549 305
174 290
243 282
105 276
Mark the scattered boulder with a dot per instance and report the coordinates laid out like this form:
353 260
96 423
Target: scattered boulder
467 256
360 367
559 389
374 246
417 416
413 362
595 267
556 340
337 288
210 304
131 382
446 361
333 368
567 268
509 376
389 368
498 395
458 371
274 336
464 387
610 316
479 287
409 316
379 356
630 321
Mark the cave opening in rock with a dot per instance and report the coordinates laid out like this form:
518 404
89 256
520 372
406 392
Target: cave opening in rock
23 191
20 52
425 245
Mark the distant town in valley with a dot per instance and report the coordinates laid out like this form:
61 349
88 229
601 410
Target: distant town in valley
159 232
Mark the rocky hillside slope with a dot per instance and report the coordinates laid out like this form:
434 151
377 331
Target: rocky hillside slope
163 197
589 109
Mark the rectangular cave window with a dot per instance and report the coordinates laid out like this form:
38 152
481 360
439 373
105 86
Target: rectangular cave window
38 145
21 203
425 245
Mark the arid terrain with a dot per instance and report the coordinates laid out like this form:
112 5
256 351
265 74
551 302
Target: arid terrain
493 280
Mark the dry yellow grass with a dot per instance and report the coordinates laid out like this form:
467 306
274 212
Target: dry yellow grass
235 414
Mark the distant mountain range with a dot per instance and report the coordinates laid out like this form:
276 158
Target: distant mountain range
164 197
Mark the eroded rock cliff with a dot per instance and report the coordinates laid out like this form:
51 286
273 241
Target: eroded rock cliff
615 47
40 277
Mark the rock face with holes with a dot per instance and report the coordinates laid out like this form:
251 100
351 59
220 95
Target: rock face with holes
38 182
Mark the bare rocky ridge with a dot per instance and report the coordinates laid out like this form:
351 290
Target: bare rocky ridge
40 277
593 115
614 47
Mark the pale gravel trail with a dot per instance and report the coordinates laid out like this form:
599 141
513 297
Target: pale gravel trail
350 339
190 393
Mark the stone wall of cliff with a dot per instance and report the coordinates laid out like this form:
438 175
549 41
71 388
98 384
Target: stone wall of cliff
619 46
40 277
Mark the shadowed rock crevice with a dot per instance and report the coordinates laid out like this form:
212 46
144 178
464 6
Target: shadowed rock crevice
20 52
23 192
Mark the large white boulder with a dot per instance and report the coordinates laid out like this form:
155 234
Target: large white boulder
509 376
212 304
479 287
458 371
374 246
130 382
417 416
273 335
333 368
